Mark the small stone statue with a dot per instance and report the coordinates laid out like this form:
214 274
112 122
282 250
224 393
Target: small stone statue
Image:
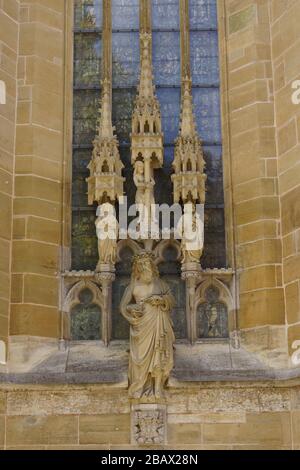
147 304
192 236
107 233
144 196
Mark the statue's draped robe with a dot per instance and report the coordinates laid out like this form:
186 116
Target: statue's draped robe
151 340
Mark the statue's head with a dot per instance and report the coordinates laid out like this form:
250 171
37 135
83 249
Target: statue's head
143 267
139 167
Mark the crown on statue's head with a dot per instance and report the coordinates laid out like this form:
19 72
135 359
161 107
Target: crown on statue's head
143 256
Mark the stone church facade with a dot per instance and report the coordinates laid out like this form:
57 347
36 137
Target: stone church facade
224 72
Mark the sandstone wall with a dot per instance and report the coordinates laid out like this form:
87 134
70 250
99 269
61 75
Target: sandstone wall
9 44
285 34
39 168
253 164
259 61
206 416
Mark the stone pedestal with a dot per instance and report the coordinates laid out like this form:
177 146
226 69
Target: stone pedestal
149 424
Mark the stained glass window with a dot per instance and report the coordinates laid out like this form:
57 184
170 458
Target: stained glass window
86 318
212 316
125 71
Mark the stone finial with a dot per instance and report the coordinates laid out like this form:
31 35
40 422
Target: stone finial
188 178
105 183
146 136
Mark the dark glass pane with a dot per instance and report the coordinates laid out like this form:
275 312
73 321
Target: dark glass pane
87 59
163 189
203 14
125 14
177 287
214 255
81 159
204 58
207 113
169 99
120 326
165 14
85 296
169 155
88 14
79 188
166 58
85 115
125 58
86 322
212 319
84 246
123 101
214 171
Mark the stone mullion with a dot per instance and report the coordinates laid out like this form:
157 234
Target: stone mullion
185 39
107 42
186 73
145 16
107 75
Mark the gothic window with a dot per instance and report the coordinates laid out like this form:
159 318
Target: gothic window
166 51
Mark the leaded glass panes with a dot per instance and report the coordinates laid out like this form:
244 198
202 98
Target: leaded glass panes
84 242
166 70
123 100
86 318
87 60
125 59
88 14
166 58
204 58
207 114
203 14
125 14
212 316
165 14
169 99
86 107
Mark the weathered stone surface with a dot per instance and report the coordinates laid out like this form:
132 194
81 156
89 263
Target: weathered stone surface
269 429
104 429
35 430
87 401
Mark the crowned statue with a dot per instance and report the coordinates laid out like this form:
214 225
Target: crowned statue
146 305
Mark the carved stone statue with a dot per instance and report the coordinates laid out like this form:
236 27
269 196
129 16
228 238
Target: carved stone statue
107 233
147 304
191 229
144 196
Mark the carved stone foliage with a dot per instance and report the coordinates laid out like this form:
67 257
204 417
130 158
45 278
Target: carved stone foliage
149 425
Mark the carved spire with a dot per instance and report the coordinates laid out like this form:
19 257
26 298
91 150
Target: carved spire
187 122
105 183
105 128
188 178
146 137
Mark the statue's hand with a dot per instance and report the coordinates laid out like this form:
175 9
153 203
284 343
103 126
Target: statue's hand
156 300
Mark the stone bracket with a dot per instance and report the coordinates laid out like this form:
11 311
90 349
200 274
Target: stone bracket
148 424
